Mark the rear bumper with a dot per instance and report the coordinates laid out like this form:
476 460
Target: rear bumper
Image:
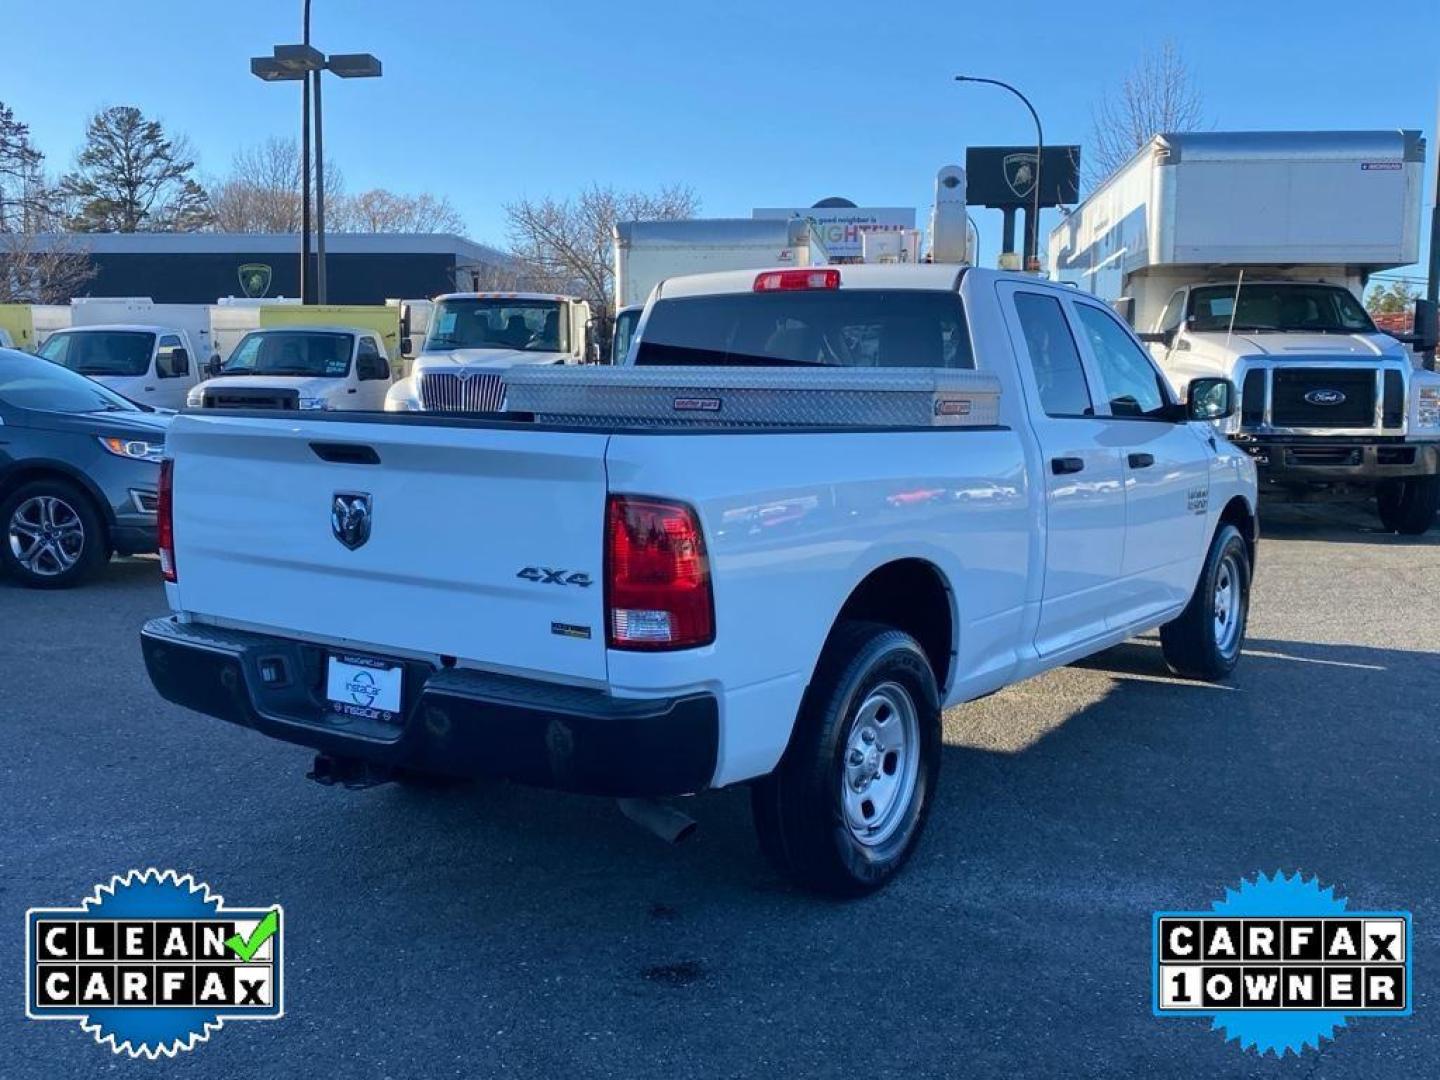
455 721
1338 459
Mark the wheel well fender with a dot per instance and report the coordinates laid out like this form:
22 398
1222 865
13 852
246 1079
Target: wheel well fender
913 595
1239 513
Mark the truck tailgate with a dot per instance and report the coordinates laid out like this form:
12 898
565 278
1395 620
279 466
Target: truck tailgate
468 525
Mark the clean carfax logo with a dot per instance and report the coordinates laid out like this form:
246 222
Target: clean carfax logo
1280 964
153 962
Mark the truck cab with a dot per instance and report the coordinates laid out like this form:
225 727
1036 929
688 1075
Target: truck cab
151 365
623 332
474 338
300 367
1328 402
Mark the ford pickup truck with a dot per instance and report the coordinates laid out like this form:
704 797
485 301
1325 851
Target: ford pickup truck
816 507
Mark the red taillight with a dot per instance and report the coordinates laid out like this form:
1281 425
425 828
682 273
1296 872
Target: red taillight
657 578
791 280
165 519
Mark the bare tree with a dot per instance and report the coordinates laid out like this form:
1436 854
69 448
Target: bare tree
1159 94
261 193
32 270
379 211
565 245
131 176
36 270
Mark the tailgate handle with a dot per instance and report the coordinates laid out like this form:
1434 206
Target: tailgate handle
339 453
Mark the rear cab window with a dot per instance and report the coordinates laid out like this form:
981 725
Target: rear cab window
1054 358
857 328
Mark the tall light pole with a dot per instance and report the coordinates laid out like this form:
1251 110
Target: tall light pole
304 61
1032 226
305 167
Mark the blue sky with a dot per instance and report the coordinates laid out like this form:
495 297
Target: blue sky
752 103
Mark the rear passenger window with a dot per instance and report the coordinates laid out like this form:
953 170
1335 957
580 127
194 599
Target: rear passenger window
1053 356
820 328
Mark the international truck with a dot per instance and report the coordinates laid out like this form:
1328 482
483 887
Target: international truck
1246 255
473 340
817 506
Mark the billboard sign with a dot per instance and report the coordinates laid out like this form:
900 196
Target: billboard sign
840 227
1004 176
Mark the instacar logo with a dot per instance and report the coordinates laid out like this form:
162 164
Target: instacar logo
153 963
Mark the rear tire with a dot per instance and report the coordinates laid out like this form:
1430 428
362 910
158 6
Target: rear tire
849 800
1205 641
51 535
1408 506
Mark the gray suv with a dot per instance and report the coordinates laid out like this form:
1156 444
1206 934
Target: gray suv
79 472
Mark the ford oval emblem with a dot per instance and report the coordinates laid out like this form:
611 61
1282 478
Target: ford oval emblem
1325 397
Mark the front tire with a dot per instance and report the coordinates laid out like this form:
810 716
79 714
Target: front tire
849 800
1409 506
51 535
1204 642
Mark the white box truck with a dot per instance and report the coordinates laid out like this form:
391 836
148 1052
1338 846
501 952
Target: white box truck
1245 255
648 252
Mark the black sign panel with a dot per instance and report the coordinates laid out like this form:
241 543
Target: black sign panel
1004 176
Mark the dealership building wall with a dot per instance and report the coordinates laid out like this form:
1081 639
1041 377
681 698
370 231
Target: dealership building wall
199 268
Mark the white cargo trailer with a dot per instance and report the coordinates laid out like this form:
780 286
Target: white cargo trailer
1245 255
648 252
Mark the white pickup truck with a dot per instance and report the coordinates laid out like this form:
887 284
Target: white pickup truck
152 365
819 506
300 367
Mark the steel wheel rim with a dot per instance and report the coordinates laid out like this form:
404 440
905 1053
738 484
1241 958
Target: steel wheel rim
881 764
1228 606
46 535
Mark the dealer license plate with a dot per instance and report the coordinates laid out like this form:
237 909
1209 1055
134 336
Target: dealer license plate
362 688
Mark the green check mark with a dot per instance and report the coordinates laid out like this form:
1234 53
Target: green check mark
245 949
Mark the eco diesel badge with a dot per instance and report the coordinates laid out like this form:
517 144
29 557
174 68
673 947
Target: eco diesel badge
1280 963
350 517
153 963
1325 397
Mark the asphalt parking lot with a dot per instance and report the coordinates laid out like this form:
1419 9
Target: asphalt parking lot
497 931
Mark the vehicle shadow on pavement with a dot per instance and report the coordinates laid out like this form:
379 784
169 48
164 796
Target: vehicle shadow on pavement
1349 522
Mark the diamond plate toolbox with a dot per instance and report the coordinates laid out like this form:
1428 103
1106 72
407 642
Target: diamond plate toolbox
737 397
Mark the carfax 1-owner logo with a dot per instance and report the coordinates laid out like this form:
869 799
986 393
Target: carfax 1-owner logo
153 963
1280 964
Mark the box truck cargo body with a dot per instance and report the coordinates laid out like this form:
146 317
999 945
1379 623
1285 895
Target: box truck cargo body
1245 255
648 252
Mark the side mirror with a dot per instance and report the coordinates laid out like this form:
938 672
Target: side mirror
1158 337
180 362
1210 399
212 366
1426 330
370 367
407 346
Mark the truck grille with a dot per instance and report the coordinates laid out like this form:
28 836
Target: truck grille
479 391
1290 406
252 399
